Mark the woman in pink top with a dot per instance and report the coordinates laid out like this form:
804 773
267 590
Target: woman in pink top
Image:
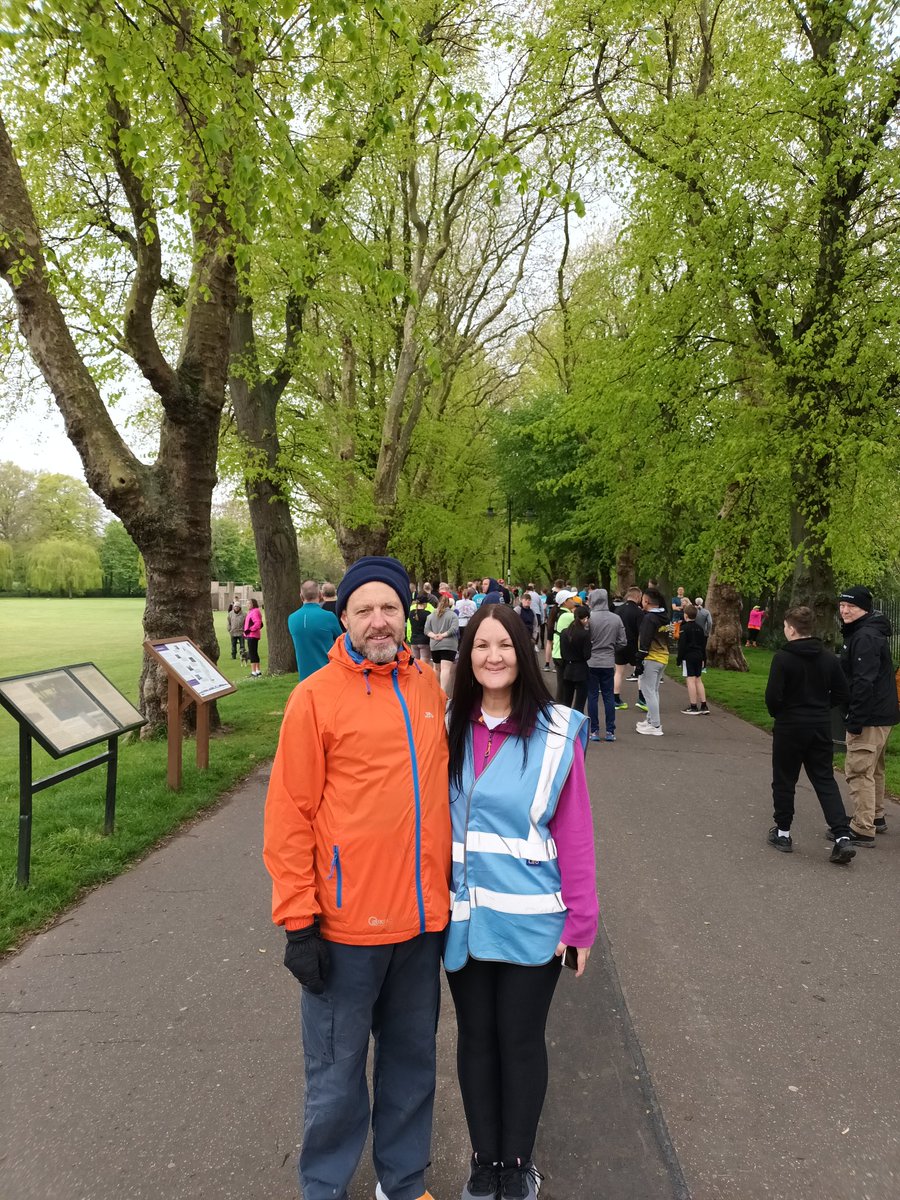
754 624
253 632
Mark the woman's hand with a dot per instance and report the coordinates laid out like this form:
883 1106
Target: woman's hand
583 952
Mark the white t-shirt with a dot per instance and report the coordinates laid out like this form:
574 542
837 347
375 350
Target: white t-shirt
492 722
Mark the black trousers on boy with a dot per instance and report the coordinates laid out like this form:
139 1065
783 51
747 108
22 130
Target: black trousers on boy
810 747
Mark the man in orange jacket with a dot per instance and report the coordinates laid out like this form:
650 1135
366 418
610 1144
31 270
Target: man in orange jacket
357 841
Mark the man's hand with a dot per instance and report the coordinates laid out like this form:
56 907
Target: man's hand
639 669
306 957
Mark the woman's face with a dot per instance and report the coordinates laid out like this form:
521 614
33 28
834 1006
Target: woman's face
494 662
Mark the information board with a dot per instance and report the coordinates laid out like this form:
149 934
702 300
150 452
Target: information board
69 707
193 670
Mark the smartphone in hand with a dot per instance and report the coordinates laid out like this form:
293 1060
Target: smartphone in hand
570 958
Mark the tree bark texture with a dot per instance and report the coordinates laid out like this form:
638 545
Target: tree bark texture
354 542
723 649
626 569
813 582
255 411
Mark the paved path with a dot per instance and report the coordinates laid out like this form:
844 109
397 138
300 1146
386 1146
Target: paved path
149 1048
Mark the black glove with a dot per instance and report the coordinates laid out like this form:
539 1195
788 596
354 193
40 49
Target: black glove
306 957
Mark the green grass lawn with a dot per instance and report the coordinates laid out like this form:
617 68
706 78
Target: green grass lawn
742 692
69 851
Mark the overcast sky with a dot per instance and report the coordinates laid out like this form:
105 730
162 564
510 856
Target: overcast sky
36 440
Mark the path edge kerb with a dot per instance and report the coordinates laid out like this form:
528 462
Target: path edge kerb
680 1189
182 828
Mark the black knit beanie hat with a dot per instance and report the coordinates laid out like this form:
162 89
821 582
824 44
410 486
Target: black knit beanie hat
373 569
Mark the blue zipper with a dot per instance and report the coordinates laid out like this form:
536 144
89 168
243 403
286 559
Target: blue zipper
336 870
415 771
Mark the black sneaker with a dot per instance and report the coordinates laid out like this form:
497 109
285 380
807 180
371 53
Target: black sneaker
520 1183
779 841
842 852
484 1180
880 825
704 710
856 839
691 711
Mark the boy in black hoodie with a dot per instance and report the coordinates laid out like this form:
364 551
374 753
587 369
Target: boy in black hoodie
805 681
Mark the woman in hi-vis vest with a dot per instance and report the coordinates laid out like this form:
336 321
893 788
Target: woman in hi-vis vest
524 889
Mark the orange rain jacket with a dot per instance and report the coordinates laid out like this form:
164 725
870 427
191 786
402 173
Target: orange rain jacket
357 824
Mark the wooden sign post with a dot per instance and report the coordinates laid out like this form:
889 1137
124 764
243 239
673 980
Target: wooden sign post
193 679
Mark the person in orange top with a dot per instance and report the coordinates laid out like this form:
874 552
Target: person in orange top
357 841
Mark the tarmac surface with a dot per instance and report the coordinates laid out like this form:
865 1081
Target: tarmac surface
733 1038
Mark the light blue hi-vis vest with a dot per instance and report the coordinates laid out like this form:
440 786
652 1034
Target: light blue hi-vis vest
505 895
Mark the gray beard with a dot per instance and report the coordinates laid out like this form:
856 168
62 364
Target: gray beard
383 654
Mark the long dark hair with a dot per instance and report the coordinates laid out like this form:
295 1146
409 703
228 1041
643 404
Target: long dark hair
530 696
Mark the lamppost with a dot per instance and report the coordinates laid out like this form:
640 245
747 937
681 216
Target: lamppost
507 565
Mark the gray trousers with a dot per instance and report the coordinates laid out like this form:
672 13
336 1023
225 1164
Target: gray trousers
653 672
391 992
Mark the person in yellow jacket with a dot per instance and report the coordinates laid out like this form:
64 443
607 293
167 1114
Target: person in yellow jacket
357 841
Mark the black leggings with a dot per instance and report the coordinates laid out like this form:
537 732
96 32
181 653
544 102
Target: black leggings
573 693
501 1056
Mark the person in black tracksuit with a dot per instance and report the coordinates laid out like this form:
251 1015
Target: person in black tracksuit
575 648
626 656
805 682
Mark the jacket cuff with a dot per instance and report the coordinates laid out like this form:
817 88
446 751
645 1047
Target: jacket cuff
292 923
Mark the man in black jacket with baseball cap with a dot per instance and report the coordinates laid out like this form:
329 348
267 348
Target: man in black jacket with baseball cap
872 710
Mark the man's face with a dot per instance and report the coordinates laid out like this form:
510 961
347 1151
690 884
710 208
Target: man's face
646 602
526 600
375 620
485 584
850 612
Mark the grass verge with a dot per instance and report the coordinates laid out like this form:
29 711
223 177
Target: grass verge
743 693
69 851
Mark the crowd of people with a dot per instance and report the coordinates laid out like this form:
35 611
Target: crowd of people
429 804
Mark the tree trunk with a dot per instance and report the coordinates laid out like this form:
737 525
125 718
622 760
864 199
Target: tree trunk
255 412
813 581
625 569
724 646
360 540
171 525
279 570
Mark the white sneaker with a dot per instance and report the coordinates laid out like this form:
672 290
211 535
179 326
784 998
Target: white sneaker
651 730
380 1194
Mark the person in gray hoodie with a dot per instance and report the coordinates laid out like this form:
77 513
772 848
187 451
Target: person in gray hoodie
607 635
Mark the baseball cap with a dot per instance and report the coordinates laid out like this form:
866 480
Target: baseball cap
563 595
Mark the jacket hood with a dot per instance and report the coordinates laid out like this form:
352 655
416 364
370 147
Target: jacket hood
805 647
599 599
345 656
875 621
